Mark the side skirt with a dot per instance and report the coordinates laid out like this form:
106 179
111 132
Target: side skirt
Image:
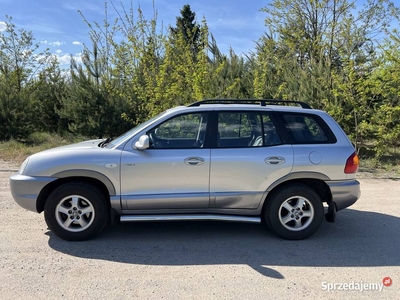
189 217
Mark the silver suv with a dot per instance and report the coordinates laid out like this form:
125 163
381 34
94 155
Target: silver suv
230 160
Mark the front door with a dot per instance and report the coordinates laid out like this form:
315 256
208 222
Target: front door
174 172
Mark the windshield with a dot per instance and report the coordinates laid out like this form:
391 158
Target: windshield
132 131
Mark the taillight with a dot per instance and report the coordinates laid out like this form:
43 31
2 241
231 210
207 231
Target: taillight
352 164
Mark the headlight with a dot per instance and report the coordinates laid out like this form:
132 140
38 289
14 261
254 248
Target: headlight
23 166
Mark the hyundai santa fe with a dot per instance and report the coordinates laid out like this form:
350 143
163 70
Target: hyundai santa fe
279 163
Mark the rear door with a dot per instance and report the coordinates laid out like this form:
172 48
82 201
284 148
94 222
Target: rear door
247 156
314 144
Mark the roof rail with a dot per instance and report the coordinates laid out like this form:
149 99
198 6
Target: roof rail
261 102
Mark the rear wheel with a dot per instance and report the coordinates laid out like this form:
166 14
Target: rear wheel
76 211
294 212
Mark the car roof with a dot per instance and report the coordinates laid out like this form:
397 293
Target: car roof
253 107
250 104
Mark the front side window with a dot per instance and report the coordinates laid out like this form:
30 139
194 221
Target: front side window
181 132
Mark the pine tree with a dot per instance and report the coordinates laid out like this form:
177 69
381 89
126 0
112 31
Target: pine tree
21 62
189 29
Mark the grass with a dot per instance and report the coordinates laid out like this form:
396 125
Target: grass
387 166
379 168
16 151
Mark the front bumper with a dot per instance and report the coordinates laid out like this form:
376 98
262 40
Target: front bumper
25 189
344 193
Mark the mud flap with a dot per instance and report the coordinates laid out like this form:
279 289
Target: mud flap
330 216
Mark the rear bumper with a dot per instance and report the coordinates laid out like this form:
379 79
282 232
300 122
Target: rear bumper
344 193
25 189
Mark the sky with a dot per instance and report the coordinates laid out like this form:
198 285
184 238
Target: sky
56 24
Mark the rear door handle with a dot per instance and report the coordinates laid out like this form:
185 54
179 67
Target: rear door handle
274 160
193 161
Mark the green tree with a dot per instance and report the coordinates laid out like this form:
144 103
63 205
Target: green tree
230 76
46 98
181 73
321 51
96 98
381 88
188 28
138 59
21 62
91 107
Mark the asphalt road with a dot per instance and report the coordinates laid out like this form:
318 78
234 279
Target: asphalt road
205 260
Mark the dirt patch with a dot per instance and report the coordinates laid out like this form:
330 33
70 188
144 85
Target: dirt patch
6 166
202 260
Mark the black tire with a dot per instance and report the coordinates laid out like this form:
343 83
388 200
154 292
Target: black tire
294 212
76 211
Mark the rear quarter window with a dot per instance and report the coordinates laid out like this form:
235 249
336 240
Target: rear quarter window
307 129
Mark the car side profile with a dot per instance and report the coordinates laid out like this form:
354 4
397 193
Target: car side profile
262 161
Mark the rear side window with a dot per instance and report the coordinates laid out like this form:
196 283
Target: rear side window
243 129
271 137
307 129
234 125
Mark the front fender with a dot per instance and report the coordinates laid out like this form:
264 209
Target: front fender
88 173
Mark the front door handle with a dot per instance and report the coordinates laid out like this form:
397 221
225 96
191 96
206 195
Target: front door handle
193 161
274 160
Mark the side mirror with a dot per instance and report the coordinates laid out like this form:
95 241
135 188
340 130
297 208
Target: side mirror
143 143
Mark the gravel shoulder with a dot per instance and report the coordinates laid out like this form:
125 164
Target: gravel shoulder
203 260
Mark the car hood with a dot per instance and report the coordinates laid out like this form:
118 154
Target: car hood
78 146
83 156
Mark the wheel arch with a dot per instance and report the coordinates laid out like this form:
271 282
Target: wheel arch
315 181
94 178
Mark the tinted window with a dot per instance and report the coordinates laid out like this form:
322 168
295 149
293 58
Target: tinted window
271 136
306 129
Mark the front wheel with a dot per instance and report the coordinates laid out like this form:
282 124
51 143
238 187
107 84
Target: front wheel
294 212
76 211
